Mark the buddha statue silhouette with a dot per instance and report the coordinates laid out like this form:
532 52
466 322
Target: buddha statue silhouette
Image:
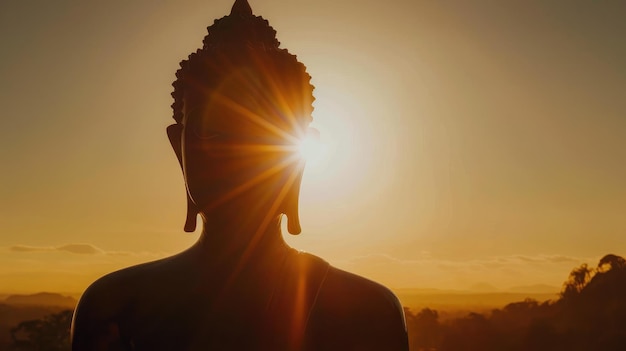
241 105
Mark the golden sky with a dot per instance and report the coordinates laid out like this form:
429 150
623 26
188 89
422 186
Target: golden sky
468 141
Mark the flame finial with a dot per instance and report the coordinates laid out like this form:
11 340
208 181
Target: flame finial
242 8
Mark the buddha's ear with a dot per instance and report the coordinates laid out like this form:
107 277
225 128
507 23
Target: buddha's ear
175 134
291 203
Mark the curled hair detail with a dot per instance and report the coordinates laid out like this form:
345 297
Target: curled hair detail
242 42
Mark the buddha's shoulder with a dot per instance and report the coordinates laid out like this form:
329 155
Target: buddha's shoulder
337 286
113 290
353 310
352 291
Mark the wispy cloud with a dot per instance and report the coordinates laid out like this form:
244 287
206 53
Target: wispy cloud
429 271
473 263
80 249
540 259
83 249
27 248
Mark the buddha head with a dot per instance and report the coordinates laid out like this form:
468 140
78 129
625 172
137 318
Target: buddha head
241 105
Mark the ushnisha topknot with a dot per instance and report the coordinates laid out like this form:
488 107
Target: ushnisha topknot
241 28
243 47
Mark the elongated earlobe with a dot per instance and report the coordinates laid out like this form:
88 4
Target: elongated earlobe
192 216
293 223
291 206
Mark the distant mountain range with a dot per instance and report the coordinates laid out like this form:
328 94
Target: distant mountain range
536 289
41 299
481 297
529 289
18 308
482 288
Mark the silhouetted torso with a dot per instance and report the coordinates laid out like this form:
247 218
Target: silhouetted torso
300 303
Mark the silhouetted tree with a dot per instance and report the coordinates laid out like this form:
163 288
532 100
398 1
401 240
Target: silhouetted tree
52 333
541 335
424 330
611 261
590 315
471 333
578 279
599 311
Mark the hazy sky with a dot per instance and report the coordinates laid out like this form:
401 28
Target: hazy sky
468 141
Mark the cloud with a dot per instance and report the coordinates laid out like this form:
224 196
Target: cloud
26 248
376 259
83 249
79 249
431 271
538 259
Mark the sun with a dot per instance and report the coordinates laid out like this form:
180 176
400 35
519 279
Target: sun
310 149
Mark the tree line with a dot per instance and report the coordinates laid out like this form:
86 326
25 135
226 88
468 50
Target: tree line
590 314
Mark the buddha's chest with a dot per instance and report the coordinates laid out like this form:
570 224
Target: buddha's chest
238 314
202 324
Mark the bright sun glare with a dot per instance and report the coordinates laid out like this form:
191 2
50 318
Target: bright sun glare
310 148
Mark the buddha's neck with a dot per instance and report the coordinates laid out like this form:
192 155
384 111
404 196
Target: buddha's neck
233 242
